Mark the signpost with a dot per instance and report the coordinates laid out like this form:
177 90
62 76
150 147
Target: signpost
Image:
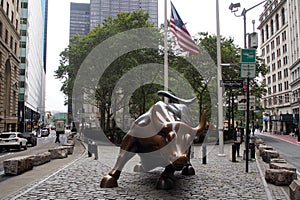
248 62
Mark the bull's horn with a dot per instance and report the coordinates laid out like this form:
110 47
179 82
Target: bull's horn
202 123
173 97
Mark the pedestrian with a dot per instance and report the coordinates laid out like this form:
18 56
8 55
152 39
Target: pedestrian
237 139
57 138
297 134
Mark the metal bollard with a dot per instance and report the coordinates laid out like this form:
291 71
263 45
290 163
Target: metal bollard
203 154
233 151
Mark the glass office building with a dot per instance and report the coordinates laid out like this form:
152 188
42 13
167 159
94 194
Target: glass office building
79 19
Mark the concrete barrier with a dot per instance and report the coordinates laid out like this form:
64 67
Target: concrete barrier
17 165
295 190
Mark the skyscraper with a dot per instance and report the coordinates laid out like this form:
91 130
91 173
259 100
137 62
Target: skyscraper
105 8
79 19
33 20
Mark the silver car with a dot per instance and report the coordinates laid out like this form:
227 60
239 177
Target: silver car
12 140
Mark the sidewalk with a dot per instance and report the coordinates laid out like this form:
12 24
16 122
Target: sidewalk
218 179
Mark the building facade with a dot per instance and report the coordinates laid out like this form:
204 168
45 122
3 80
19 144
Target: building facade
279 32
294 45
9 63
106 8
32 71
79 19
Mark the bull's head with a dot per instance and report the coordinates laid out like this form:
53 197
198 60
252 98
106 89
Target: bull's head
179 138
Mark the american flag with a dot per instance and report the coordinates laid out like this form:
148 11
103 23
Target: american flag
178 28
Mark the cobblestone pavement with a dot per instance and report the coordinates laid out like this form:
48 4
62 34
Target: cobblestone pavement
218 179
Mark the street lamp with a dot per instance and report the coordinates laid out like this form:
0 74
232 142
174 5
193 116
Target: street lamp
234 9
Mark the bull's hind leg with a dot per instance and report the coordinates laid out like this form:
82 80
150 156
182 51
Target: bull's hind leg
188 169
126 153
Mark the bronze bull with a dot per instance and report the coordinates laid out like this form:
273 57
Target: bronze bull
161 137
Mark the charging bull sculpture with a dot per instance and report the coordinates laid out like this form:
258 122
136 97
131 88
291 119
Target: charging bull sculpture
161 137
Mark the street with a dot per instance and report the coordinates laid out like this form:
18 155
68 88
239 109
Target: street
43 144
289 151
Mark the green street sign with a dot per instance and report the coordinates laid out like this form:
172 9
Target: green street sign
248 70
248 56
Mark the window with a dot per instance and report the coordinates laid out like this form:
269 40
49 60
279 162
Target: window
11 42
284 36
22 72
2 3
279 75
278 52
269 90
268 48
24 5
269 80
287 98
272 27
283 16
267 31
23 60
280 87
272 45
262 35
279 64
17 24
1 29
6 36
12 17
23 32
22 44
274 78
16 47
277 22
23 20
273 56
285 73
7 8
286 85
278 40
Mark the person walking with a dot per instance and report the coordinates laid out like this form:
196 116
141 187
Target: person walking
237 139
57 138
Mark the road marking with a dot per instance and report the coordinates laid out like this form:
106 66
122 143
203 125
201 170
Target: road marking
5 155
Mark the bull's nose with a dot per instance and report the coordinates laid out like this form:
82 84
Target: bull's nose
180 162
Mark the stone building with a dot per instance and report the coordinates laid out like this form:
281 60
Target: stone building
9 63
279 32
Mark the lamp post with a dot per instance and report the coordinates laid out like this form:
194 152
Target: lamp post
234 7
220 90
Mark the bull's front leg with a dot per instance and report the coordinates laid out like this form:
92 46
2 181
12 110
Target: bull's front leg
188 169
166 180
127 151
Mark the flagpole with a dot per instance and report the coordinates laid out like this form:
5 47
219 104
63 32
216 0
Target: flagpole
219 79
166 84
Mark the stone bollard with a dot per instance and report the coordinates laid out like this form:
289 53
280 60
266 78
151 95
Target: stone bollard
295 190
280 177
58 152
17 165
204 154
92 149
233 153
267 155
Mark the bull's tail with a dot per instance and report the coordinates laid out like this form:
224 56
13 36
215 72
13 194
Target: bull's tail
175 98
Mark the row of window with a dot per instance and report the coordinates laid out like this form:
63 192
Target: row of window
266 50
8 39
280 88
10 12
271 28
277 100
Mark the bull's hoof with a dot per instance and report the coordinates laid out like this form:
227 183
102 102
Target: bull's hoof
164 183
188 170
108 182
139 168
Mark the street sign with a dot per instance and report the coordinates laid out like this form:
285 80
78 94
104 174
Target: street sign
232 83
248 56
248 70
242 102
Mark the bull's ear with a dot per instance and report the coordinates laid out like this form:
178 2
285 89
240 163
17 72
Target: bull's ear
202 122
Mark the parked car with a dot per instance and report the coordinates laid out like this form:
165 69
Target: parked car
31 138
45 132
12 140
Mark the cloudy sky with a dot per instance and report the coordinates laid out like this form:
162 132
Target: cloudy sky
200 16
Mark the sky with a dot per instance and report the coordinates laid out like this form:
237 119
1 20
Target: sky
199 16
